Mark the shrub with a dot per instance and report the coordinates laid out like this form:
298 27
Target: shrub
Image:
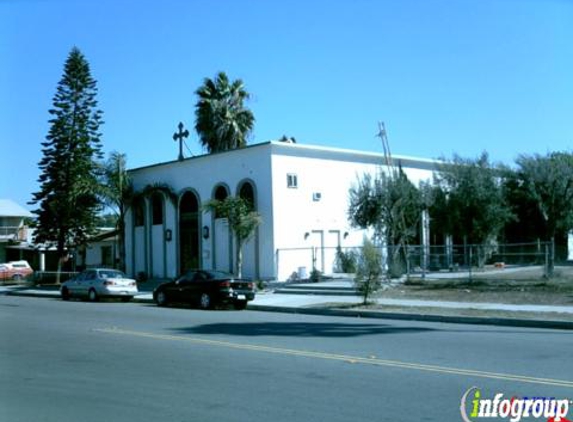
315 275
346 261
369 270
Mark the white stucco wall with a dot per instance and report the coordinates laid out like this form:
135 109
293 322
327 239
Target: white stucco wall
302 221
157 251
94 255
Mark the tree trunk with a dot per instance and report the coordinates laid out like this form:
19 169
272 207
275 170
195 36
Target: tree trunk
61 258
59 271
121 241
239 260
551 258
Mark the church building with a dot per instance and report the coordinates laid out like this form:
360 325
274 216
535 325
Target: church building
300 191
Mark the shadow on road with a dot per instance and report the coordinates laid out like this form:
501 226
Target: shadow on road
300 329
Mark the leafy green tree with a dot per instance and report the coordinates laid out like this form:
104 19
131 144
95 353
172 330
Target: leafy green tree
368 270
69 179
472 197
548 183
243 222
544 184
222 120
529 224
117 194
392 206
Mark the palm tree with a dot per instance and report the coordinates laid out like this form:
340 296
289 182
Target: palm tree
117 194
243 222
222 120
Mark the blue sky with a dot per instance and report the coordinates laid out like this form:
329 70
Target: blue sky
445 76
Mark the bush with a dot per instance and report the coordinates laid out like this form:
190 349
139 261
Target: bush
369 270
315 275
346 261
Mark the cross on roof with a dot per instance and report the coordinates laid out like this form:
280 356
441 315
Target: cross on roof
179 136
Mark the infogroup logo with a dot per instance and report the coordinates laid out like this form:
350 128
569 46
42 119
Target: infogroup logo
474 407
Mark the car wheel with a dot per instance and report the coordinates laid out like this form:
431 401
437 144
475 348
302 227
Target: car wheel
92 295
161 299
240 305
205 301
17 277
65 294
126 299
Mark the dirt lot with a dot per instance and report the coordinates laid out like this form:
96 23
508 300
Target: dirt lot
511 285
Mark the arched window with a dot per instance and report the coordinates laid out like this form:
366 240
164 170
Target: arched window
247 192
139 212
157 208
221 193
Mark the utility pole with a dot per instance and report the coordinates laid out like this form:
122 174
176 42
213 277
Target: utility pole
386 148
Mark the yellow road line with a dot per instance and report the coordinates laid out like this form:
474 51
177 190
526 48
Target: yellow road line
343 358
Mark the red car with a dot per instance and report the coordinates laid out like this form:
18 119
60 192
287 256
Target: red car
15 271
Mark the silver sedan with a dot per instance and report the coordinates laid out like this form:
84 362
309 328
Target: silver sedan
97 283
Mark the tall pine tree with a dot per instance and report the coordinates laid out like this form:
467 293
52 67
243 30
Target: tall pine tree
67 199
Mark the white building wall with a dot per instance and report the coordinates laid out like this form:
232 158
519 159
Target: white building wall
292 218
157 251
171 251
140 250
314 215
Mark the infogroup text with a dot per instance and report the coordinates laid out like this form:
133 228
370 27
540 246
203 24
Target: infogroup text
474 407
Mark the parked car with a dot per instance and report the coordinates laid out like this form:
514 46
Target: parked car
206 289
97 283
15 270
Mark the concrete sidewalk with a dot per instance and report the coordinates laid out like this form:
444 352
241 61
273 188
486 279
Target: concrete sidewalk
311 301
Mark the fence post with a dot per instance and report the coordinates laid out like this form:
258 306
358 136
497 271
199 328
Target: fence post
313 251
546 260
426 258
407 253
470 263
277 268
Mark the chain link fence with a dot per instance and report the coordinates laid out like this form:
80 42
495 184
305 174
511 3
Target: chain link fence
527 261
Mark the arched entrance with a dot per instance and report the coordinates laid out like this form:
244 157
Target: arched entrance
157 244
189 240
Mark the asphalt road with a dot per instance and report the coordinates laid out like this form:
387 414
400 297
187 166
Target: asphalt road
80 361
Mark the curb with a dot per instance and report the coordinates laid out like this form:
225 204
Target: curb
504 322
56 295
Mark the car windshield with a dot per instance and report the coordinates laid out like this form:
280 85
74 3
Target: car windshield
111 274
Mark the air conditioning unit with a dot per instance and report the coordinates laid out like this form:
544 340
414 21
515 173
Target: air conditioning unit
316 196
